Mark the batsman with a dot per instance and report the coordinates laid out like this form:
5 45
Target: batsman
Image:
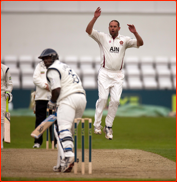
6 97
68 99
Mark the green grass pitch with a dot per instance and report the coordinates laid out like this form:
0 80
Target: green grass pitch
153 134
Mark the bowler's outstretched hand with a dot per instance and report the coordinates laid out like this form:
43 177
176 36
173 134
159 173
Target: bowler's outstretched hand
97 12
132 28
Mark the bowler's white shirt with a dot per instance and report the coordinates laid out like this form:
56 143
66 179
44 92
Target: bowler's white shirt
112 51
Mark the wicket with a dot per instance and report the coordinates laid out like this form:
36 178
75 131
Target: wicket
90 144
47 134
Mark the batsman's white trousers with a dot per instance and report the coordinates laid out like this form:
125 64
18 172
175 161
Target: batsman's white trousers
3 109
108 82
69 108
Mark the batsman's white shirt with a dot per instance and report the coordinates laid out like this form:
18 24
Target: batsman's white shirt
62 76
112 51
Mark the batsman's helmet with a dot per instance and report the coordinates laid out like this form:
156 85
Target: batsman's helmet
49 52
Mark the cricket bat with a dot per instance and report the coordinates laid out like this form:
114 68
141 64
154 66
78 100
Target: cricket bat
7 124
44 125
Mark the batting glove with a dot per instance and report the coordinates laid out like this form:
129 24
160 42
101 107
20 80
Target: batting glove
51 105
8 96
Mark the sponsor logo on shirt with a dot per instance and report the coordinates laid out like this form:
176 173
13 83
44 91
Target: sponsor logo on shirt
114 49
110 41
10 78
42 72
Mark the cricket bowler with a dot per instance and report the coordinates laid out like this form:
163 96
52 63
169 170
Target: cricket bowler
110 75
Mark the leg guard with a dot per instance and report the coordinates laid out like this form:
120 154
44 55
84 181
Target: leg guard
66 140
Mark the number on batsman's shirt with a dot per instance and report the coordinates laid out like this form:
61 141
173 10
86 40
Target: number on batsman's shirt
60 75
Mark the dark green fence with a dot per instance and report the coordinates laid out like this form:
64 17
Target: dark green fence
165 98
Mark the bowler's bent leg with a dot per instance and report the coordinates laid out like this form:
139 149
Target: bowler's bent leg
100 104
115 93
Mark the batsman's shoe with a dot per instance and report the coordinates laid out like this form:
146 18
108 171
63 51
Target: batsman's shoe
69 163
36 145
108 132
97 130
58 169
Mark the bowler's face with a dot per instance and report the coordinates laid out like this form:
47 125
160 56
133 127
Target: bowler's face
114 29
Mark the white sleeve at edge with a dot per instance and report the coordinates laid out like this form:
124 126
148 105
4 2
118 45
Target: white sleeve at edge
37 80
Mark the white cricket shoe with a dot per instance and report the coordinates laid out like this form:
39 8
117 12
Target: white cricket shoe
108 132
69 163
58 169
97 130
36 145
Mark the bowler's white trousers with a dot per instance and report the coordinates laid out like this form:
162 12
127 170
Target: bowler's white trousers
69 108
108 82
